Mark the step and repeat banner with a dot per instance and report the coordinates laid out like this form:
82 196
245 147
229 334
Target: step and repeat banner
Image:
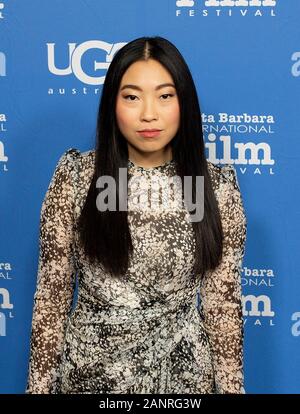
245 60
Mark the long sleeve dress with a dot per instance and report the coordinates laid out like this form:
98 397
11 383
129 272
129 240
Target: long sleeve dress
143 333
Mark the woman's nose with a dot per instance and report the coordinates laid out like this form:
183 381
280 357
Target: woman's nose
149 110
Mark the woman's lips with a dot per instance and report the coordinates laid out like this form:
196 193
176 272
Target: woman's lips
149 134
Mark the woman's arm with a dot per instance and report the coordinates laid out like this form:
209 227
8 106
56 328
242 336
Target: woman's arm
220 291
55 281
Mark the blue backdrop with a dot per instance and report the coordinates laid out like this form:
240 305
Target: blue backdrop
245 60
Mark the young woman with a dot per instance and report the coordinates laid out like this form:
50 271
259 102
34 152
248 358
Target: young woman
136 327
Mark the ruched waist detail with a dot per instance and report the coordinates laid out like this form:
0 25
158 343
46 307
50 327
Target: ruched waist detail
135 338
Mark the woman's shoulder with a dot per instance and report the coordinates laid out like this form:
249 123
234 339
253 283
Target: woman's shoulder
222 174
74 157
227 190
74 153
76 166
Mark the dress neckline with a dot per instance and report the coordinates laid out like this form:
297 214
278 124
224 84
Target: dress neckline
162 167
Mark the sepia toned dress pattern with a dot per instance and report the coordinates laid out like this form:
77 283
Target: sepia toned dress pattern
142 333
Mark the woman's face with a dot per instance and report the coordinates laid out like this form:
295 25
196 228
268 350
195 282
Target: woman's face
148 104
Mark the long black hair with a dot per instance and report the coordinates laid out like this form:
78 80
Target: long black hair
105 235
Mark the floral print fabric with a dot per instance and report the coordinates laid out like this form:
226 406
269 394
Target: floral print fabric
143 333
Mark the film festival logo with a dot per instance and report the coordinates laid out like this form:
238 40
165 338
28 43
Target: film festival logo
151 194
258 307
258 277
248 153
218 130
231 7
5 304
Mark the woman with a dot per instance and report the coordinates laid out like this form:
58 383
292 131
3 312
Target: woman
135 327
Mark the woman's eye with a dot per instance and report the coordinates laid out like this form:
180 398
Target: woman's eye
132 97
167 94
129 96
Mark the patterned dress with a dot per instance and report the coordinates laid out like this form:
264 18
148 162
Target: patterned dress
143 333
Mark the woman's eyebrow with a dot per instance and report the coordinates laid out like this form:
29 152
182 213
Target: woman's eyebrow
163 85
